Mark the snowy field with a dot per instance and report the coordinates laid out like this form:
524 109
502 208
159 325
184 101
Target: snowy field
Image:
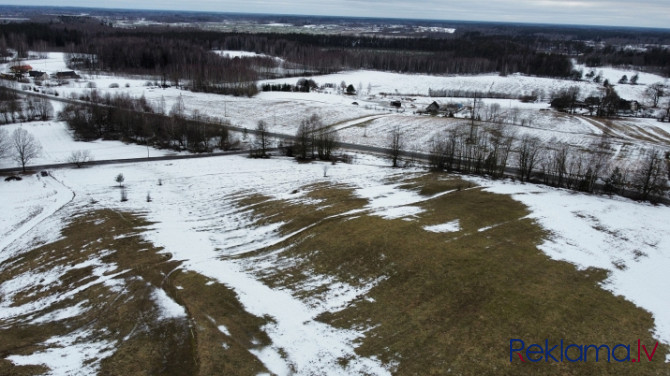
630 239
196 220
371 119
57 145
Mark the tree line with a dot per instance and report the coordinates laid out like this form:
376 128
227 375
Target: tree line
15 109
185 53
495 151
130 119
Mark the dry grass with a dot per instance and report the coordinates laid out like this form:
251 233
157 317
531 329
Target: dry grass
449 303
146 344
452 301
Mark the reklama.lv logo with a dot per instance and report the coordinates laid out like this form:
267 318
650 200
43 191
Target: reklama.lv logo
577 353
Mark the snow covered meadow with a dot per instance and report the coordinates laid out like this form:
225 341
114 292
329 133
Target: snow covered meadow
195 219
370 120
195 214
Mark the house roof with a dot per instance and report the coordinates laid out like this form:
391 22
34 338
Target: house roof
433 105
21 68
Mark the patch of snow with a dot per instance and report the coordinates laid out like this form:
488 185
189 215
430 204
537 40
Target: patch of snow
168 308
398 212
57 145
489 227
48 278
224 330
627 238
62 314
242 54
271 358
70 355
453 226
19 200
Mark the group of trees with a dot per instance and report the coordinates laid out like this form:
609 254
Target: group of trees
496 152
21 146
471 149
177 62
313 140
606 103
16 109
133 120
653 58
303 85
184 55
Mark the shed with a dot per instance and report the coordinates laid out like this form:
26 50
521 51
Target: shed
433 107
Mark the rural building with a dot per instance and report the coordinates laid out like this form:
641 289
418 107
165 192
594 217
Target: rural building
38 74
433 107
20 70
67 75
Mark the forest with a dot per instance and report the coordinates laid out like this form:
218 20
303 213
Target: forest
183 56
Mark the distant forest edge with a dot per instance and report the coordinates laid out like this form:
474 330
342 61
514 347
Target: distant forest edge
183 55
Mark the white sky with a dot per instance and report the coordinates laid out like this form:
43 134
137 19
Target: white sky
643 13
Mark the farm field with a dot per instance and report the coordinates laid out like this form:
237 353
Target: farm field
300 261
371 120
270 266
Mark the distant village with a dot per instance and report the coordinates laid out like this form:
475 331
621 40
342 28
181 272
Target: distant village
21 73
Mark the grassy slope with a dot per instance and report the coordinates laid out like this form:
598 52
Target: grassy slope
452 301
146 344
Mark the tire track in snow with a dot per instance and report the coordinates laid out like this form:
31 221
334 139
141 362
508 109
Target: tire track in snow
63 196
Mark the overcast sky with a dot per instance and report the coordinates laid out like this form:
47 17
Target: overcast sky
645 13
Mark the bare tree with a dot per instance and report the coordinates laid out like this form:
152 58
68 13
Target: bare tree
654 93
633 80
306 139
616 181
5 144
343 87
395 145
302 140
80 157
326 142
44 109
507 138
650 178
26 147
499 144
438 152
30 110
120 179
261 138
528 154
559 163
